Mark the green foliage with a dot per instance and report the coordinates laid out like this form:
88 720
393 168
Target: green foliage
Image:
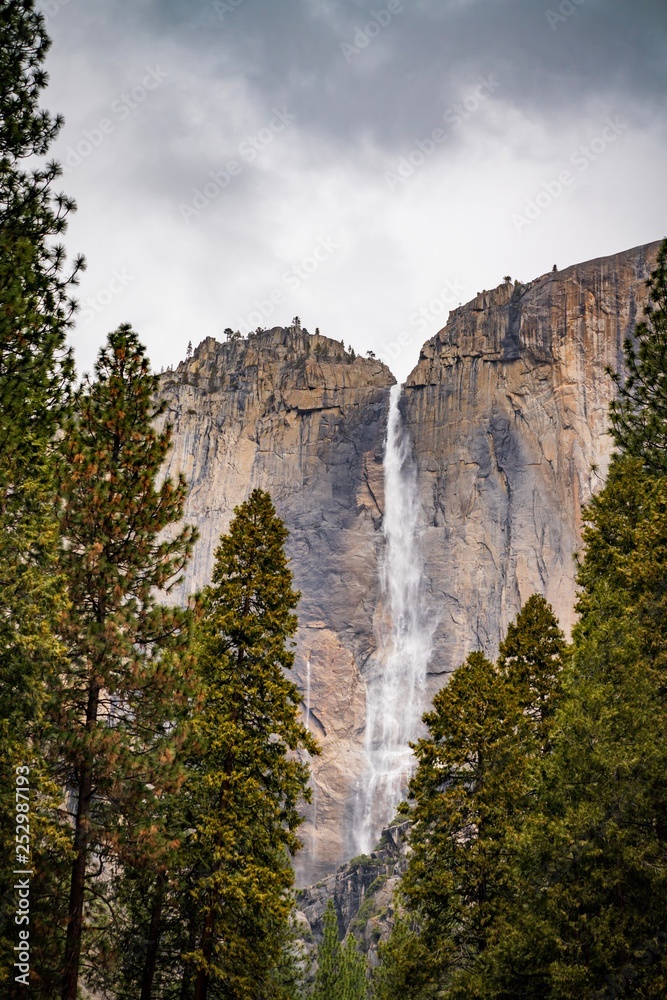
407 965
639 414
473 793
352 980
470 780
35 374
341 971
328 957
114 712
531 658
35 367
246 779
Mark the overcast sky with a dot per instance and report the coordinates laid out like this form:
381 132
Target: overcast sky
364 165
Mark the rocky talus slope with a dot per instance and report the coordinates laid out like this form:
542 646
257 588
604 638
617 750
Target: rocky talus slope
507 411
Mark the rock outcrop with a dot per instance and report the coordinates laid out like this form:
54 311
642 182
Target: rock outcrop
507 410
298 416
362 892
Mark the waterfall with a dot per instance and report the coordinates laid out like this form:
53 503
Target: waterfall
396 685
308 694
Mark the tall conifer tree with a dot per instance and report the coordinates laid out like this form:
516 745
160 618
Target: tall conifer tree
328 957
531 658
489 730
470 779
114 708
35 374
353 982
248 780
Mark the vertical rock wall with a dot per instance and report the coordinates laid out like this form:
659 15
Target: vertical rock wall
295 415
507 409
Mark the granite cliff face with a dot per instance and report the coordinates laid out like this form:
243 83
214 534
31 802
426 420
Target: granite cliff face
294 414
506 409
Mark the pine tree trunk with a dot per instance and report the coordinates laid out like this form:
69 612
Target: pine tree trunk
187 977
153 938
78 882
201 987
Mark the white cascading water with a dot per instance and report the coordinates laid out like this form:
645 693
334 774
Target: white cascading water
308 694
395 691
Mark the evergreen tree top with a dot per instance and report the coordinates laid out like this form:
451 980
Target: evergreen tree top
639 414
25 129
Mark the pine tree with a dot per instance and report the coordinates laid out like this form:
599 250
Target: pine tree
470 780
353 983
328 958
114 708
35 373
531 657
247 780
341 970
473 792
154 908
35 366
639 414
407 967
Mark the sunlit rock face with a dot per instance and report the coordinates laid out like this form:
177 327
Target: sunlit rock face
508 410
294 415
506 413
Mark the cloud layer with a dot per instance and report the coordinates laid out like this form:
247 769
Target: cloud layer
365 166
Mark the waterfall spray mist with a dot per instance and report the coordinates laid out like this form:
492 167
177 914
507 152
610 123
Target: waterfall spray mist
396 688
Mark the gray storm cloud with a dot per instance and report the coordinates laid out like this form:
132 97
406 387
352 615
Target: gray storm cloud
472 107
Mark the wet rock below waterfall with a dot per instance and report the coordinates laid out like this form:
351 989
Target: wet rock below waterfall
363 895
